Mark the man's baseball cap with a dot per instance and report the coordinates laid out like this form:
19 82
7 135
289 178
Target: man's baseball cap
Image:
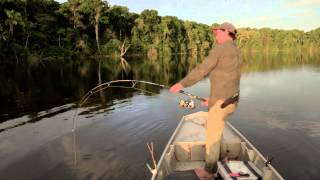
226 26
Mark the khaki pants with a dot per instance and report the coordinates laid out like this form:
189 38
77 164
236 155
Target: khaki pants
214 129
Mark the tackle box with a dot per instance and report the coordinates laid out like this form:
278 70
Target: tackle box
238 170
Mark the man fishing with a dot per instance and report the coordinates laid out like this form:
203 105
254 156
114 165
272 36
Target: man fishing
223 67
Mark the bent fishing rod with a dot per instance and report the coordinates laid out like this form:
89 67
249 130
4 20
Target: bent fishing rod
115 84
133 85
112 84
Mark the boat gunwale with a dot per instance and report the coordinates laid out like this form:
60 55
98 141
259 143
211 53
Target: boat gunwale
253 148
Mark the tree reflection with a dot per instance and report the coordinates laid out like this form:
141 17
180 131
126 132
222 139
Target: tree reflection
256 61
29 88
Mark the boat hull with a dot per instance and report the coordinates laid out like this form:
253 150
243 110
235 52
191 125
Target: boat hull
185 151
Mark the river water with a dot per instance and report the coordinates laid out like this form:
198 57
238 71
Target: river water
278 112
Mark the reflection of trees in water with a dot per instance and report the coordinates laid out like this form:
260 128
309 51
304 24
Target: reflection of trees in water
124 68
102 95
30 88
257 61
124 64
164 70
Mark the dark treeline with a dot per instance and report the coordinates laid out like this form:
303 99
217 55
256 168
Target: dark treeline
44 29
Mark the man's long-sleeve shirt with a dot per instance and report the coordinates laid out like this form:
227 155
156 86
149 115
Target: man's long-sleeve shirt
224 68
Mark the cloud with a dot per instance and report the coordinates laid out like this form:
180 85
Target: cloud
303 3
259 20
306 13
270 17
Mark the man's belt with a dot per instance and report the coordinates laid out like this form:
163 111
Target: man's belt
231 100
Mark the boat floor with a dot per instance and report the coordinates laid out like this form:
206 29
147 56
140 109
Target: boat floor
192 132
182 175
187 165
194 174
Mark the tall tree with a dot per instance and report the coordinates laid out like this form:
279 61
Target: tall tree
3 33
95 9
13 19
73 12
146 29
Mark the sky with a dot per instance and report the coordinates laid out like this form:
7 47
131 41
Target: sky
280 14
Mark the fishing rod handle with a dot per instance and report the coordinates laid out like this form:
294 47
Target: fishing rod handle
193 96
230 100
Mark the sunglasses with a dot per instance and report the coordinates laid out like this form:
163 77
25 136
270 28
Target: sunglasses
217 29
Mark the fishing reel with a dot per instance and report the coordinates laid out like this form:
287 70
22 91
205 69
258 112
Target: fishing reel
189 104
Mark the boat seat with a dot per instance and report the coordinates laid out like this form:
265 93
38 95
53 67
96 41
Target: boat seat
230 144
190 141
192 130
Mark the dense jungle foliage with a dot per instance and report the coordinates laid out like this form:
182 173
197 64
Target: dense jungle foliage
32 30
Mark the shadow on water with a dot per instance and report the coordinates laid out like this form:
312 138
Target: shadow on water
34 117
38 105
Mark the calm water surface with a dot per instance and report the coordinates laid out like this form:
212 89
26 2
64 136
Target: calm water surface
278 113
